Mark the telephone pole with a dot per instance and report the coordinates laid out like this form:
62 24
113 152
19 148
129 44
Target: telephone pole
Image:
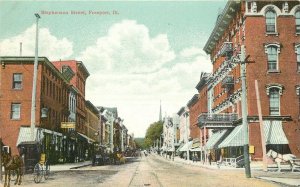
245 113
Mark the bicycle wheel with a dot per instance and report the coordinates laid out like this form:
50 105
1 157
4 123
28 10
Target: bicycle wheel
37 173
46 170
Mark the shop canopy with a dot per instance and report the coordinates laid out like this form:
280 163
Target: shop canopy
274 133
272 130
186 146
25 134
214 139
87 138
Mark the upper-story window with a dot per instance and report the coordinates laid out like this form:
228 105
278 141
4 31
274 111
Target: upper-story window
270 21
15 111
274 91
298 56
297 16
274 101
17 81
272 58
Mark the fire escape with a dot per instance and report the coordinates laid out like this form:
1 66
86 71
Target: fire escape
215 120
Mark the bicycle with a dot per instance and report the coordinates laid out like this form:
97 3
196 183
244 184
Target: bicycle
41 169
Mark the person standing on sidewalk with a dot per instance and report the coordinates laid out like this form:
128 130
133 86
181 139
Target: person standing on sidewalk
209 158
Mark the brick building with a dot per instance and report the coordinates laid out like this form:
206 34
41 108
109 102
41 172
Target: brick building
194 106
15 104
269 30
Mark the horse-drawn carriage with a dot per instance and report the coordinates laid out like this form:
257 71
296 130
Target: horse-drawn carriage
34 160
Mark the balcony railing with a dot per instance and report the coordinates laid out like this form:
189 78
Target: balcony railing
228 82
222 120
226 49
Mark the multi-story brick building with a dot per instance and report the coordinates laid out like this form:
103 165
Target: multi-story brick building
194 107
15 104
78 81
269 31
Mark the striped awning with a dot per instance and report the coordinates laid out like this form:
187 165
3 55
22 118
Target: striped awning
186 146
274 133
272 130
214 139
234 139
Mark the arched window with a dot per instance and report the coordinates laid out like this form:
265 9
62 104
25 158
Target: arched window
270 21
297 16
272 58
274 101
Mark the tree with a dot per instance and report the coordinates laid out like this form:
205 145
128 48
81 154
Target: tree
153 133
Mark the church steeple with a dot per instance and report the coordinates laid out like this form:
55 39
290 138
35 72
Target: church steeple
160 116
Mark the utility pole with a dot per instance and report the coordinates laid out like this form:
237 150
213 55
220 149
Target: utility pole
245 113
35 66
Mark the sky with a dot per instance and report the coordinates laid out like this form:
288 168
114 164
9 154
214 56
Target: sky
138 53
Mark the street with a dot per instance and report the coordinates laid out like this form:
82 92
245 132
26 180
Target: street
152 170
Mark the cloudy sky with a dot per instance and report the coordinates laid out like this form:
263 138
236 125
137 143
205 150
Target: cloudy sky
137 52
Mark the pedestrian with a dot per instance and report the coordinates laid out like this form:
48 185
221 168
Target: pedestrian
209 158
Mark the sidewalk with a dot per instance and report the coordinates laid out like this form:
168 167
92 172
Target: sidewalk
284 178
68 166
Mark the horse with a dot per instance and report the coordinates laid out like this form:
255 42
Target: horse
12 163
281 158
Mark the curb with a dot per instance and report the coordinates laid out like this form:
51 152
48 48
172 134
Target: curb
76 167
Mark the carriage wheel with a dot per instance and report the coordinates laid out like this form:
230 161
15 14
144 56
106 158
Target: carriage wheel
47 170
37 173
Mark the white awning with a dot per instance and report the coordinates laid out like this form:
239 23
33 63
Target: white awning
186 146
214 139
196 149
234 139
25 134
274 133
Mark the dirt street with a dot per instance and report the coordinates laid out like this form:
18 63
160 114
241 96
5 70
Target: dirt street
147 171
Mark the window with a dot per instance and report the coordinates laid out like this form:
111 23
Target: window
17 81
15 111
298 57
270 21
297 15
272 58
274 101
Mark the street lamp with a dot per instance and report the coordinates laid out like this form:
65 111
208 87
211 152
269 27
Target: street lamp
33 104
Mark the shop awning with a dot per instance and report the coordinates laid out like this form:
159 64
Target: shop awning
235 138
180 146
186 146
87 138
274 133
25 134
214 139
196 143
196 149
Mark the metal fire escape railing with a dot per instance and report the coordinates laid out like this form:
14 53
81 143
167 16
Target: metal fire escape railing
215 121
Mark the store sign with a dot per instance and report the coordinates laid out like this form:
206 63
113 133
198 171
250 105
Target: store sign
67 125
